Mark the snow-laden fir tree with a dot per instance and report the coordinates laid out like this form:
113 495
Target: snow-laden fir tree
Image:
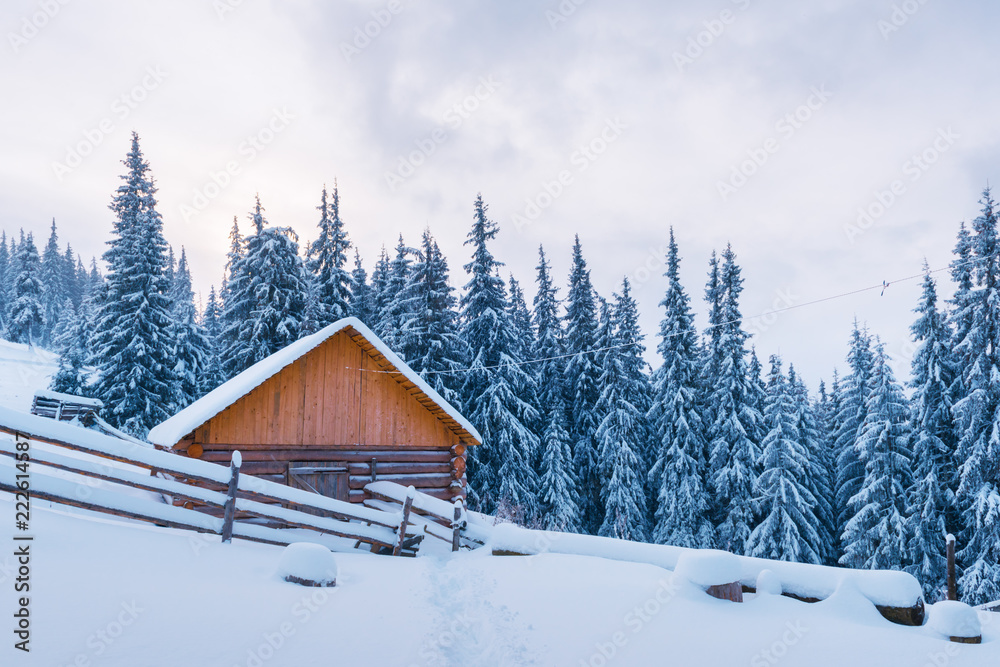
733 453
54 287
558 499
581 386
430 336
192 346
550 348
500 473
26 314
977 415
788 527
72 268
269 284
398 298
72 378
133 346
327 261
381 295
623 434
211 320
931 500
818 464
361 304
851 416
875 534
232 313
678 473
5 276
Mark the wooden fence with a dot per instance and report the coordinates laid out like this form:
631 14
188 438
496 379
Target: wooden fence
251 508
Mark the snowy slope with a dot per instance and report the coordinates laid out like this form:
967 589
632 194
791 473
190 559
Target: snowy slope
113 593
23 370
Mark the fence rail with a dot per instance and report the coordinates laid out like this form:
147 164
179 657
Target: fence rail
187 479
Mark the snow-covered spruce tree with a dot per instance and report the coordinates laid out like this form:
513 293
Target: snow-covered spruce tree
211 320
788 527
430 335
5 279
232 312
623 434
398 297
269 283
54 287
72 269
192 346
733 454
558 499
71 378
678 473
875 535
327 261
850 470
361 304
977 416
818 466
500 473
133 346
26 315
550 348
581 386
931 500
381 295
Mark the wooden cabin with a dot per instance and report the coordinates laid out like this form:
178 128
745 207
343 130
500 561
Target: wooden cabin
330 413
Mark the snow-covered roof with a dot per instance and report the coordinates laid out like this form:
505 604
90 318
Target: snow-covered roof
171 431
69 398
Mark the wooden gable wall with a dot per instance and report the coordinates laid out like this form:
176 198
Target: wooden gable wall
324 400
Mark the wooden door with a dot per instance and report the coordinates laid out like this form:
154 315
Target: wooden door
323 477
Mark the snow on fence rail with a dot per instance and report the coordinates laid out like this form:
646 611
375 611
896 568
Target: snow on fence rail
449 522
897 595
257 497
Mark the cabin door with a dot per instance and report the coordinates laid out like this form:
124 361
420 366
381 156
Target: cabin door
327 479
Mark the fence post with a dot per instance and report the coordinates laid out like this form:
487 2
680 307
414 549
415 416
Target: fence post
456 525
230 510
410 494
952 587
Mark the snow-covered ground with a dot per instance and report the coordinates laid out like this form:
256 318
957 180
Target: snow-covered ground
108 592
24 370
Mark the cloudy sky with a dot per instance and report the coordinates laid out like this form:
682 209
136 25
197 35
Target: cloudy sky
770 126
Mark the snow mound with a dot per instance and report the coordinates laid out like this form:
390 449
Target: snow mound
307 564
768 583
952 618
709 567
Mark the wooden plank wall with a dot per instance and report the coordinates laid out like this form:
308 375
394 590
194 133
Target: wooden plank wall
324 399
432 471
